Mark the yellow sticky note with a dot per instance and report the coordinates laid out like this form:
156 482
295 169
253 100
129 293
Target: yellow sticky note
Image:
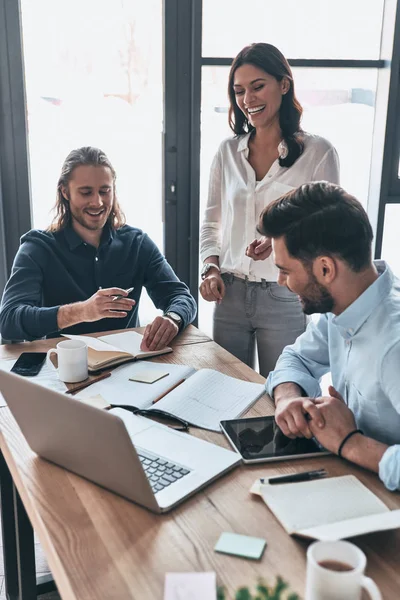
97 401
148 376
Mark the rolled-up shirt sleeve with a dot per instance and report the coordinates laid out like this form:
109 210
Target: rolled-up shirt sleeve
305 361
389 468
210 233
22 316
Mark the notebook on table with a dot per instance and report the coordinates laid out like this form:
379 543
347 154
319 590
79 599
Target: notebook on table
329 509
114 349
202 398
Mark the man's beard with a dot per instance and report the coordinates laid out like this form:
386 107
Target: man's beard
316 298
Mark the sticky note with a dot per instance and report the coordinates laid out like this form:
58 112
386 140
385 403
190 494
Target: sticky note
240 545
148 376
190 586
98 401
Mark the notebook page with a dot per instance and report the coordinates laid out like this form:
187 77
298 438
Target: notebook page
117 389
353 527
94 343
300 506
129 341
208 397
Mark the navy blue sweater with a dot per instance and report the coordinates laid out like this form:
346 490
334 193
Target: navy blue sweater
52 269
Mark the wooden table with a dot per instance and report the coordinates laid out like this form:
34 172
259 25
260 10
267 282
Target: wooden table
100 546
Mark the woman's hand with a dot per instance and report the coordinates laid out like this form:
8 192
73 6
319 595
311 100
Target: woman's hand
212 288
259 249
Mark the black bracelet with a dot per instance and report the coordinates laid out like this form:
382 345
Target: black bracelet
348 436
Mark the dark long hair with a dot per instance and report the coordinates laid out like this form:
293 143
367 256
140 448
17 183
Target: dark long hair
88 155
271 61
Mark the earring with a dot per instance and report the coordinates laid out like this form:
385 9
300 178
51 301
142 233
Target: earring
283 150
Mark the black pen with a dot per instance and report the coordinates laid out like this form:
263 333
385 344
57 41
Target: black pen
303 476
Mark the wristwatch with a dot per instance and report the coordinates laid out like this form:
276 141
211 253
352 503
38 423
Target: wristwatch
177 319
207 267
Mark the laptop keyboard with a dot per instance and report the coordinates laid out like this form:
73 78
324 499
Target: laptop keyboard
160 472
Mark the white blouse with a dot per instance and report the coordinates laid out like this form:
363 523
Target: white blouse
236 200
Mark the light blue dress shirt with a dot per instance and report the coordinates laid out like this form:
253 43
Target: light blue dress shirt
361 349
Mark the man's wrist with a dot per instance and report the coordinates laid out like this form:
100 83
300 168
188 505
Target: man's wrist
175 318
71 314
287 391
351 447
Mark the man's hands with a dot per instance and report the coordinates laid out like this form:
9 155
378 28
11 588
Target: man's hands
259 249
159 334
327 418
212 288
101 305
294 415
338 418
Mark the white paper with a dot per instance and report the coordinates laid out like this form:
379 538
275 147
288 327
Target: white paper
117 389
209 397
352 527
94 343
190 586
309 504
47 376
128 341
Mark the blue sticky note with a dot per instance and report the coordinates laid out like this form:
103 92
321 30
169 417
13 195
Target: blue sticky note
240 545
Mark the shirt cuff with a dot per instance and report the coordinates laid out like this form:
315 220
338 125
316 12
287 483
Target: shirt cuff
210 251
389 468
306 382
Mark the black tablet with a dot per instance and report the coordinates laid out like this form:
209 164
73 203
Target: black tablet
259 439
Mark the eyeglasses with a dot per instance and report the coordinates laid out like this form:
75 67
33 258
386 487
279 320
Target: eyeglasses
158 415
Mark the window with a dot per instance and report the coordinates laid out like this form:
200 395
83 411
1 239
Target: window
93 74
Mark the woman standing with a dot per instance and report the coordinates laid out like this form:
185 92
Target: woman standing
269 155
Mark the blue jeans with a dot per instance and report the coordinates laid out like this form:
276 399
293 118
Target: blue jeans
264 313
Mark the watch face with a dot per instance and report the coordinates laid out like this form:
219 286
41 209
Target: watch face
174 316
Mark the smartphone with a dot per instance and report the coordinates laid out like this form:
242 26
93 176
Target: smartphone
29 363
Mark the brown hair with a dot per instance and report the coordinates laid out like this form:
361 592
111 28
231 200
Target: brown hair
271 61
91 156
320 219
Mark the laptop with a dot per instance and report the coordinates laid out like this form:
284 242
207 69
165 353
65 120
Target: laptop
144 461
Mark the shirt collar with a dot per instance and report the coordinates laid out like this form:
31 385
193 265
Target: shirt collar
243 142
74 240
355 315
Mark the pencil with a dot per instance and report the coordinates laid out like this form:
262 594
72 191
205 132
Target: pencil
86 384
168 391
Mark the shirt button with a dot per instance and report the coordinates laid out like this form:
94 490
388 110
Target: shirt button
96 259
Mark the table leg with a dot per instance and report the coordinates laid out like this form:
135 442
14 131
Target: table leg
8 531
25 551
18 544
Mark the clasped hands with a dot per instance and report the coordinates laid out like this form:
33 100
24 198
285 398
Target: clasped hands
114 303
326 418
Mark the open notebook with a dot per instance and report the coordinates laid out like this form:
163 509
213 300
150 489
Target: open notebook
202 398
328 509
114 349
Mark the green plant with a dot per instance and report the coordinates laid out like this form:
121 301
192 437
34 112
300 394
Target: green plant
263 592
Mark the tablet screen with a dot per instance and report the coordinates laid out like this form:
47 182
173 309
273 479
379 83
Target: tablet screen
260 438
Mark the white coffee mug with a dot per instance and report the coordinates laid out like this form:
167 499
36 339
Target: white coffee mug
335 571
72 360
